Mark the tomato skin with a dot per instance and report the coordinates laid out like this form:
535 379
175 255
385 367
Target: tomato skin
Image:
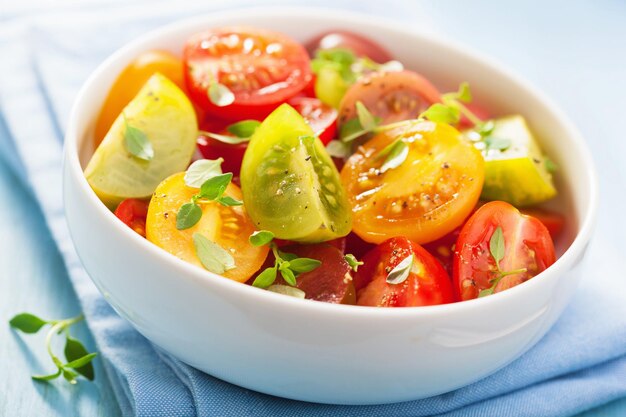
527 245
321 117
271 68
430 194
391 96
360 45
133 213
553 221
427 284
130 81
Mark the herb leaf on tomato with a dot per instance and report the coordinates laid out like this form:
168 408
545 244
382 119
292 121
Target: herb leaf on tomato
212 256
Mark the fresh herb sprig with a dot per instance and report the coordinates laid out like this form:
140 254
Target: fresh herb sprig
288 264
77 358
497 250
212 189
353 261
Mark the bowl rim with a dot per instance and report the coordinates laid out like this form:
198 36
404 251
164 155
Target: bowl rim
191 272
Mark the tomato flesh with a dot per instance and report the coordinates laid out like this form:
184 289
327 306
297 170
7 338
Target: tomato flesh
427 283
391 96
527 245
426 196
133 213
261 68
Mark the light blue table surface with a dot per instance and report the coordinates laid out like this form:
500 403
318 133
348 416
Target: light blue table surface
573 50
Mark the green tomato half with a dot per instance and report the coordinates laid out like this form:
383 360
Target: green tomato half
290 185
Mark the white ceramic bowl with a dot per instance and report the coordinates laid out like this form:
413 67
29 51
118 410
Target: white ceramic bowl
315 351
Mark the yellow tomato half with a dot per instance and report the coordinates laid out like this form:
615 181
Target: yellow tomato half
229 227
426 196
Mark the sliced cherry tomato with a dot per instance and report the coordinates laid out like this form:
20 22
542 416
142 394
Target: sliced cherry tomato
321 117
133 213
426 284
290 185
360 45
130 81
443 249
528 248
428 195
229 227
261 68
330 282
391 96
553 221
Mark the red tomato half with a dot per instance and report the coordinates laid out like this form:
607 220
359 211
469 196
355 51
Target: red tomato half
527 244
553 221
360 45
261 68
427 283
133 213
391 96
331 282
321 117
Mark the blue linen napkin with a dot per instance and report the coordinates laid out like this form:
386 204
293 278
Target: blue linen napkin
581 363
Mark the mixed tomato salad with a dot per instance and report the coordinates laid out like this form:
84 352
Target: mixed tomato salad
323 170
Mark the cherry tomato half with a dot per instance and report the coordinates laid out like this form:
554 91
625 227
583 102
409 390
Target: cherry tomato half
527 248
130 81
133 213
360 45
321 117
429 194
427 283
261 68
391 96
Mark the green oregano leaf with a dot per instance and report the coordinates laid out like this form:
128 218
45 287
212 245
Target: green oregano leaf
82 361
265 278
338 149
137 142
74 350
244 128
188 215
214 187
441 113
232 140
220 95
396 153
288 276
401 272
228 201
27 323
212 256
261 237
202 170
496 245
366 119
497 143
352 261
301 265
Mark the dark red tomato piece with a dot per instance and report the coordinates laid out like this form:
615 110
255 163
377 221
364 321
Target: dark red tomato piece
427 283
553 221
528 248
360 45
232 154
133 213
331 282
321 117
357 246
261 68
443 249
391 96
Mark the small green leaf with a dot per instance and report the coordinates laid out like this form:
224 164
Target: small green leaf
232 140
352 261
496 245
301 265
220 95
81 362
366 119
287 290
401 272
244 128
188 215
202 170
261 237
265 278
70 376
486 128
75 350
288 276
47 377
27 323
213 188
550 165
212 256
338 149
464 94
485 292
440 113
349 128
228 201
137 143
497 143
287 256
396 153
